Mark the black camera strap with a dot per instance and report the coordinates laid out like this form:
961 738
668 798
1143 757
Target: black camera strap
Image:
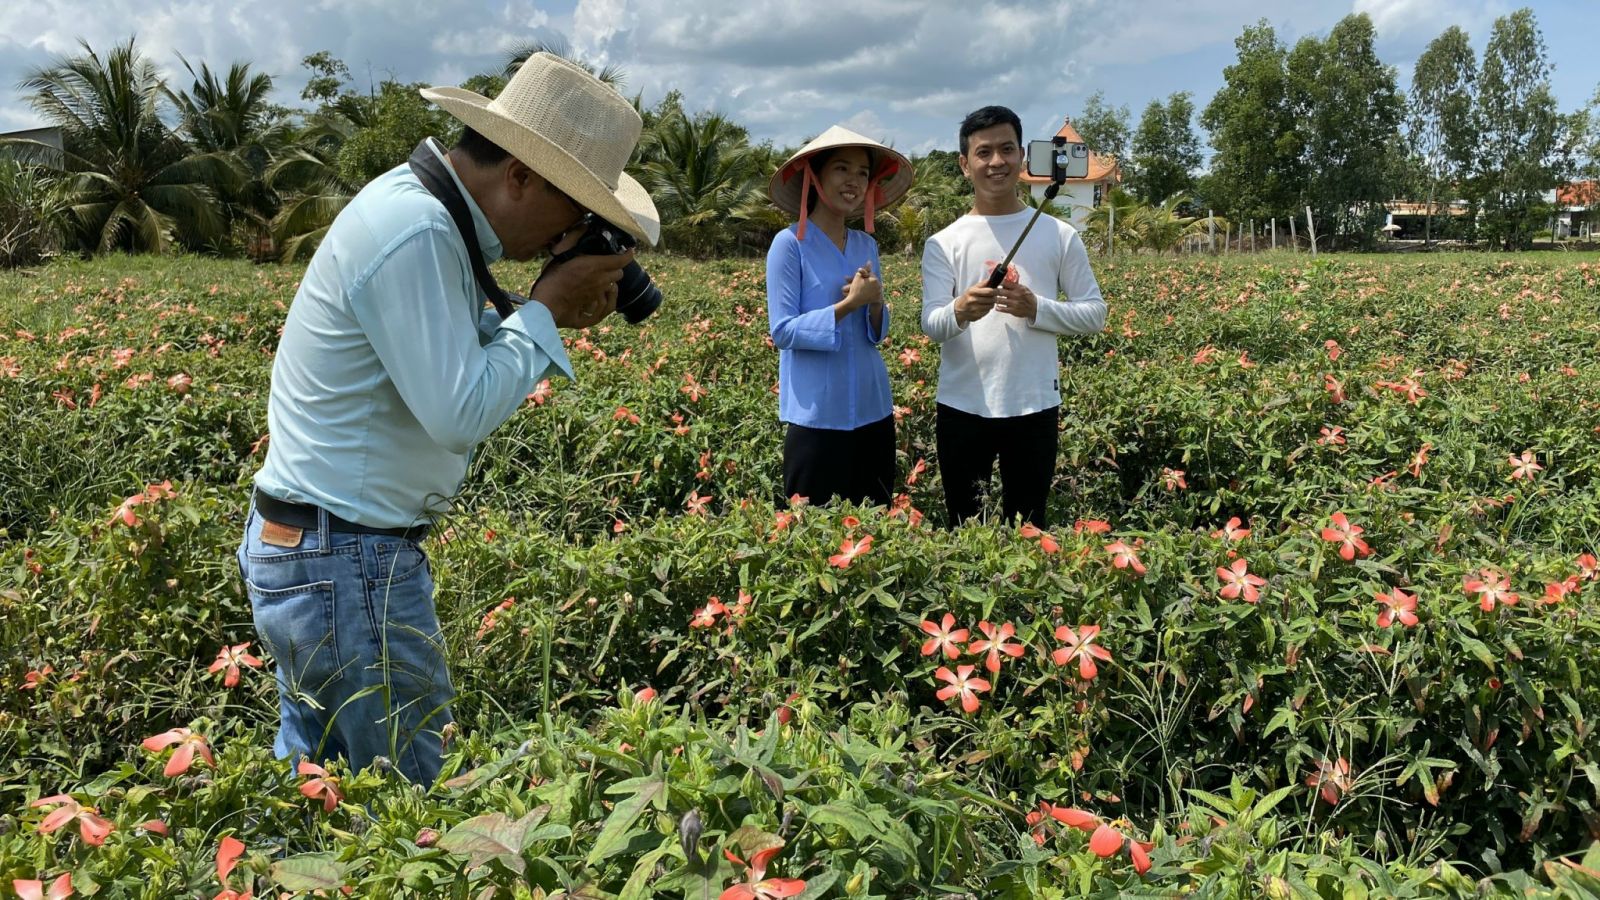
430 170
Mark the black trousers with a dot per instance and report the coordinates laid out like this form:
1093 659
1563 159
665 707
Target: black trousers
855 465
1026 446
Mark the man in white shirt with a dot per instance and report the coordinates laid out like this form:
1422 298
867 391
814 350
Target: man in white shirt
999 389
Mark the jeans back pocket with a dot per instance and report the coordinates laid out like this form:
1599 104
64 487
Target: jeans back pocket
297 625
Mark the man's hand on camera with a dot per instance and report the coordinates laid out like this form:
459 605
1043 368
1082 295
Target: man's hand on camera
1016 299
975 303
582 290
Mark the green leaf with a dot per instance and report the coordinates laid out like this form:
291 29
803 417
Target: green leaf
637 887
483 839
615 834
310 872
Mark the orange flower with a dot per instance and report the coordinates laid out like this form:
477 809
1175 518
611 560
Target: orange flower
30 889
961 682
849 551
1231 531
943 637
1237 581
322 786
231 659
1492 588
1331 779
1080 645
997 641
188 743
1124 557
1400 606
1523 467
91 827
1347 536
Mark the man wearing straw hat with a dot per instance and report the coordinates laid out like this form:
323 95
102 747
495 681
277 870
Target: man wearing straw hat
390 371
999 385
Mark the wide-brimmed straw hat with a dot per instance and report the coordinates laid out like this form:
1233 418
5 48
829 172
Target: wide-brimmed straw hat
891 175
572 129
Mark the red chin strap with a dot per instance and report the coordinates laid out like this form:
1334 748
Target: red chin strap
875 193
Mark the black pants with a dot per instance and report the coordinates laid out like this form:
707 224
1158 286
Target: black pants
1026 446
855 465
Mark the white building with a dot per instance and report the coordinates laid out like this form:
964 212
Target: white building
1080 195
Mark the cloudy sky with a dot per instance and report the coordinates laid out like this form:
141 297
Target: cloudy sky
904 71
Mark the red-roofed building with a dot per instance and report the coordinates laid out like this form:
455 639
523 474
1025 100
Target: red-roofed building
1080 195
1577 210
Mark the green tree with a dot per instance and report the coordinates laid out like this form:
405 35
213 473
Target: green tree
1443 130
389 127
130 182
232 115
33 214
1256 169
610 73
1166 150
700 171
308 177
1348 112
328 78
1521 131
1104 128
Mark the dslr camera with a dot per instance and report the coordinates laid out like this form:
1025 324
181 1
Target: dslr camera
637 297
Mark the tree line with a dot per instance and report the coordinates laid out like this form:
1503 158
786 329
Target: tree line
218 166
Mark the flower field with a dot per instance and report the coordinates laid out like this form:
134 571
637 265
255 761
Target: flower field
1317 616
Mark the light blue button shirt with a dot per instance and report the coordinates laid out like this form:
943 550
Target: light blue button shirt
390 370
830 374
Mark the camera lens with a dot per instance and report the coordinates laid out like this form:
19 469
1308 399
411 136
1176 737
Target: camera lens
637 298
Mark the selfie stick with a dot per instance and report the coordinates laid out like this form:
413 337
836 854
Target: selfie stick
1057 176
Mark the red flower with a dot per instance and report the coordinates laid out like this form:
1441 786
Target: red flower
644 695
706 616
228 852
1080 645
909 356
1093 526
322 786
541 393
1556 591
188 743
1333 435
1231 531
848 552
1107 842
757 885
1237 580
850 522
1172 479
944 637
1331 779
1333 349
961 682
231 658
1334 387
1523 467
997 642
1347 536
1421 459
695 505
1399 605
30 889
1588 567
91 827
1492 588
692 388
36 678
1124 557
916 471
180 383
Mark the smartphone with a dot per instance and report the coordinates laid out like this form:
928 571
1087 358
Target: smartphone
1044 159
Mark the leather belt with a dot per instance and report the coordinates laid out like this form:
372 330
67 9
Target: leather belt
307 516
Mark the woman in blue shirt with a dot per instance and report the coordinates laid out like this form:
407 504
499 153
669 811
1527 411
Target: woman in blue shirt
827 316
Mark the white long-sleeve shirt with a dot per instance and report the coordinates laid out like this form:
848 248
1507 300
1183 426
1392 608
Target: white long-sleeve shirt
1002 365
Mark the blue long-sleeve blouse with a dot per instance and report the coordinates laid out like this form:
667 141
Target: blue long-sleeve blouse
830 374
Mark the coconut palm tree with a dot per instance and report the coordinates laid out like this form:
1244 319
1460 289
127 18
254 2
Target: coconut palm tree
131 183
232 115
936 199
307 176
699 171
609 73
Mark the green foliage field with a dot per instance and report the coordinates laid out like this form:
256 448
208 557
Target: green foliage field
1448 407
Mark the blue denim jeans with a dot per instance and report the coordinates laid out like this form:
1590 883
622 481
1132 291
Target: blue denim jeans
350 621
